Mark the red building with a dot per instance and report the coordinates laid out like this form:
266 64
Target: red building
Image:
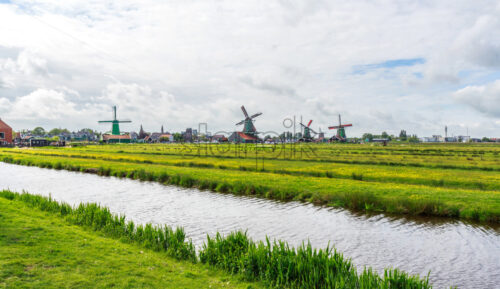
5 133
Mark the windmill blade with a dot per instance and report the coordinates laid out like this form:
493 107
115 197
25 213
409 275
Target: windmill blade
256 115
302 124
309 123
334 127
124 121
313 131
344 125
244 111
241 122
103 121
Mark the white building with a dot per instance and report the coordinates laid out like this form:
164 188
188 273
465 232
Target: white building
434 138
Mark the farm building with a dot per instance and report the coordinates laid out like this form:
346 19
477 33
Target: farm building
240 137
218 138
121 138
5 133
157 137
35 142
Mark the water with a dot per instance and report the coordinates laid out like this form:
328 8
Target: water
457 253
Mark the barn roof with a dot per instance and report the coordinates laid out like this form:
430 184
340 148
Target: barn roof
247 136
111 136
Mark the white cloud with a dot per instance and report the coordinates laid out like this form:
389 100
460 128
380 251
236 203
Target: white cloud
483 98
42 104
186 62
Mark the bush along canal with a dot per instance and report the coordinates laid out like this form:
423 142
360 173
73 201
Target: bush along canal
455 252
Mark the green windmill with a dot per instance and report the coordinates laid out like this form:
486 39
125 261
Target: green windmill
307 137
341 136
248 127
115 129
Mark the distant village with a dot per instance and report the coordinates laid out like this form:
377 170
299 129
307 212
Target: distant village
60 137
249 134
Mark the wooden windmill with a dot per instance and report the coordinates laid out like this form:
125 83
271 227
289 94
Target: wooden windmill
115 124
249 133
248 127
341 135
307 137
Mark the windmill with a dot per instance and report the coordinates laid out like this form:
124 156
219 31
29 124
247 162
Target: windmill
307 132
341 136
115 127
248 127
249 133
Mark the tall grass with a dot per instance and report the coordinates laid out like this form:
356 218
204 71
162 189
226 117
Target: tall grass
274 263
282 266
99 218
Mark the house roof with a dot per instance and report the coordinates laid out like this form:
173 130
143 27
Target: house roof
219 137
4 125
246 136
111 136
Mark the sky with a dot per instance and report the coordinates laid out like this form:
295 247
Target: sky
383 65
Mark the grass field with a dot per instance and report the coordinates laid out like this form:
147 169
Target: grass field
39 249
453 180
47 244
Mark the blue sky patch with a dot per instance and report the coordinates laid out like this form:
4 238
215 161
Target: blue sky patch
393 63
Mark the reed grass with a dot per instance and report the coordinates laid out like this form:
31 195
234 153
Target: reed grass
283 266
274 263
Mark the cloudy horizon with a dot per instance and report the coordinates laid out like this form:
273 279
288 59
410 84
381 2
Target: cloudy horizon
383 65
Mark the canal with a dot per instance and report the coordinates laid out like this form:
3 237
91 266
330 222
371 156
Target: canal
456 253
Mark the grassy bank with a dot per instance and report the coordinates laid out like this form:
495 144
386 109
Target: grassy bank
44 248
395 189
39 249
452 178
483 157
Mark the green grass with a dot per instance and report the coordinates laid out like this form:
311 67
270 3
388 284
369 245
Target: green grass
437 180
452 178
39 249
45 251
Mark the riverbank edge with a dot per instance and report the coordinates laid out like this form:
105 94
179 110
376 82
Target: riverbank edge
272 263
357 201
40 249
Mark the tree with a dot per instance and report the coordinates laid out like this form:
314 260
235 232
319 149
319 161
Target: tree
367 137
58 131
402 135
413 139
385 135
164 139
38 131
178 137
85 130
485 139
